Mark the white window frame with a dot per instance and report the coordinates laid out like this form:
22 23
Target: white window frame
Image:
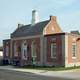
33 49
24 48
74 51
53 54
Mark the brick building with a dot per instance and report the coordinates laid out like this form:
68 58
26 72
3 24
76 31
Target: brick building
42 44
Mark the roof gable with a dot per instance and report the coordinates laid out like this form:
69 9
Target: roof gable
52 27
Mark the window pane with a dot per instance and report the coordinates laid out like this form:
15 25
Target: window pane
73 50
53 50
7 50
24 50
34 50
33 47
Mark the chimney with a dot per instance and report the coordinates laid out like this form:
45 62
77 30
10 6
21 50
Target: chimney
35 17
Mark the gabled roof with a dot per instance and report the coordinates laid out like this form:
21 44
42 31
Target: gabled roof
29 30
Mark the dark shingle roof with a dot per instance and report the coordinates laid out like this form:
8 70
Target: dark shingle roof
75 32
29 30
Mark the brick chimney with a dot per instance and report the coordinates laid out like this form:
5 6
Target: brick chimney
35 17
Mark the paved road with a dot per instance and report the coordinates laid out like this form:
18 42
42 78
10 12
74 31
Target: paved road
11 73
15 75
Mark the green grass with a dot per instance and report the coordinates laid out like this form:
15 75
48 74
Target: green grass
49 68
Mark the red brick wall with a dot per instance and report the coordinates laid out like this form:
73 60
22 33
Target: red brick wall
37 42
18 44
70 41
58 41
29 41
6 43
52 27
78 50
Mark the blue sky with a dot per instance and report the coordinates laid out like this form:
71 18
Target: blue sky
13 12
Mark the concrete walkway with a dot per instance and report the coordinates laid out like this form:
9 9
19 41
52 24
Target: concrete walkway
72 74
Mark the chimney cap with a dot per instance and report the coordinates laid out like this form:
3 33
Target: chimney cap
34 10
35 17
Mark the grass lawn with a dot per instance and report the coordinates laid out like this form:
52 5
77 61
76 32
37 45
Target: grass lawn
49 68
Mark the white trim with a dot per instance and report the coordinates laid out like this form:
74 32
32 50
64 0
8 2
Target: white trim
41 50
52 54
66 50
24 47
73 64
63 50
73 57
45 50
32 49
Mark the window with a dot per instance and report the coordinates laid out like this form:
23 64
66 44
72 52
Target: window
73 49
53 50
7 50
33 49
24 50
